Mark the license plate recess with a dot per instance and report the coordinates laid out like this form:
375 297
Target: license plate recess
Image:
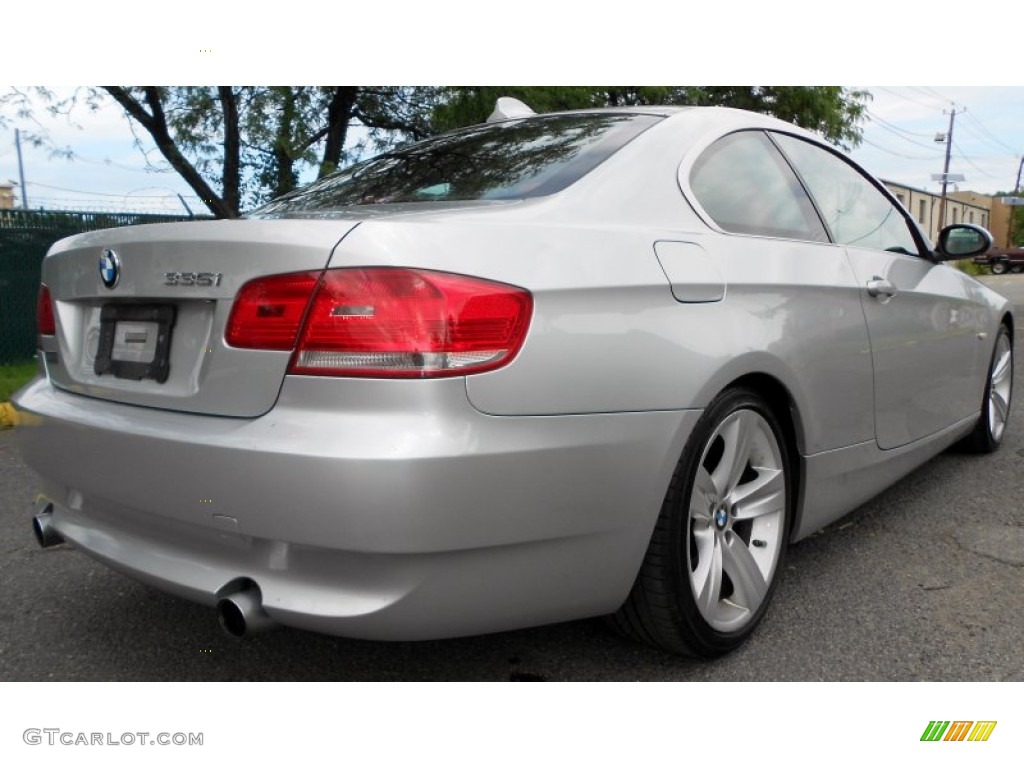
135 341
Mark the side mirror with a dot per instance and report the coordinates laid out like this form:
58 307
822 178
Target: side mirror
962 241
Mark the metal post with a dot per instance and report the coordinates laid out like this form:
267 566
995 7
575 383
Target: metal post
190 214
21 169
945 170
1013 210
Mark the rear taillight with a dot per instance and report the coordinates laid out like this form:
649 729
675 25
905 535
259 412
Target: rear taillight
267 313
45 321
383 321
410 323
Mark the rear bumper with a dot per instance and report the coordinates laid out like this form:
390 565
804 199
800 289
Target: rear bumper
394 510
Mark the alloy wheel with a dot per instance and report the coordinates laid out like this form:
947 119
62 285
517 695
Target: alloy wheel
736 520
1000 384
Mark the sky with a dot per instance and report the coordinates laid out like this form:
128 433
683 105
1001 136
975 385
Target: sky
543 43
988 135
109 172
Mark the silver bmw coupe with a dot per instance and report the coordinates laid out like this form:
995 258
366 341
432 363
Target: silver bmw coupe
601 363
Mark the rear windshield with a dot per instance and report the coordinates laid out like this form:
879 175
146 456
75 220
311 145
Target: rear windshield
502 161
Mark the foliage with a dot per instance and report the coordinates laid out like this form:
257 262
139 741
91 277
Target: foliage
13 377
832 111
237 147
20 103
969 267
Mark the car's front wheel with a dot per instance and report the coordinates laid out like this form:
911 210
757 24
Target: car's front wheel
999 268
717 549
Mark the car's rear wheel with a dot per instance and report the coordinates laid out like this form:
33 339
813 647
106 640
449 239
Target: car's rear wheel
995 406
1017 269
999 268
716 552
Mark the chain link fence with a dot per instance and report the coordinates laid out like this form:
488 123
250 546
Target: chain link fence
25 236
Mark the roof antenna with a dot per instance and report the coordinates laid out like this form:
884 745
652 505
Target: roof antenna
507 108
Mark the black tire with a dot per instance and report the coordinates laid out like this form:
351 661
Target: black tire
662 608
999 268
987 434
1017 269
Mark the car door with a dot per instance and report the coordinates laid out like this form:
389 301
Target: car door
922 322
789 293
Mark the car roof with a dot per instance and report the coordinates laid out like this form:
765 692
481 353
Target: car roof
661 111
725 119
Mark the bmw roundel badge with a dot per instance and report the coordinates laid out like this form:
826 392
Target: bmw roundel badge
110 268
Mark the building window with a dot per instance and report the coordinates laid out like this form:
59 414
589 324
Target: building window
970 217
956 215
900 198
923 208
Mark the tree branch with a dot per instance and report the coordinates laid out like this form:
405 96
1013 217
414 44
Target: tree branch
156 125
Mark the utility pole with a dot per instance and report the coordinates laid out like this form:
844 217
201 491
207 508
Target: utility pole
945 169
21 169
1010 214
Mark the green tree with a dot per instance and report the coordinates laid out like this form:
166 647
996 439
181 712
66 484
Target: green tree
832 111
239 146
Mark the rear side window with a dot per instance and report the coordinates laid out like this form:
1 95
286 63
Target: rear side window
747 187
510 160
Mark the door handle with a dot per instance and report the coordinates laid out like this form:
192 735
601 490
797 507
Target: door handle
879 286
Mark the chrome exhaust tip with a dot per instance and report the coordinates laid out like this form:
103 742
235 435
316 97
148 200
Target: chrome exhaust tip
43 529
241 613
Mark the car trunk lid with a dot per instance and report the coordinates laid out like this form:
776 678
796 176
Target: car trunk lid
141 311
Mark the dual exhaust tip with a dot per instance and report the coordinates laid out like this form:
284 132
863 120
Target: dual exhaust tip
239 612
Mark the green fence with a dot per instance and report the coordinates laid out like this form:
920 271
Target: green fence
25 236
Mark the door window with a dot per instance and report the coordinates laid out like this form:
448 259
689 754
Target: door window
854 209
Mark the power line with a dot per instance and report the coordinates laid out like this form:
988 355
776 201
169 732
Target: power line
931 93
979 136
893 131
110 163
169 193
970 162
897 154
879 119
907 98
992 135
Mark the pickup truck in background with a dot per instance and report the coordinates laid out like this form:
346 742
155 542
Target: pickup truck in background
1003 260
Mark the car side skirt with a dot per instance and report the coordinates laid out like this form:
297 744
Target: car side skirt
838 481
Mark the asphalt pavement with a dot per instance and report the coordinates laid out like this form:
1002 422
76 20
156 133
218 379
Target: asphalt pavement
922 583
